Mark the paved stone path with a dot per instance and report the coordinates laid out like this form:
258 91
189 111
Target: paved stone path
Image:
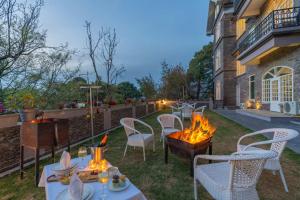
257 124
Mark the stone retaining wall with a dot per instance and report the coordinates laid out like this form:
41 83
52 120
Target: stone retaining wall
140 111
9 146
79 128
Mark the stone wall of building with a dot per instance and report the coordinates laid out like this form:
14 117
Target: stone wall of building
285 57
225 74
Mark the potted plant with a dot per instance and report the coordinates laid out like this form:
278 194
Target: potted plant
23 103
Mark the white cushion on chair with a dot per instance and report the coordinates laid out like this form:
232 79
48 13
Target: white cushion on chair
177 113
214 177
137 139
199 113
168 131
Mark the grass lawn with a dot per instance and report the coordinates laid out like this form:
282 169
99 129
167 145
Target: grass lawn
160 181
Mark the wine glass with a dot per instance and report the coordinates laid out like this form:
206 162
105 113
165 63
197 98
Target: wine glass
82 153
103 178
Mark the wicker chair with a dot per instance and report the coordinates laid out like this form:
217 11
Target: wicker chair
136 138
187 111
176 110
167 122
232 180
278 143
200 110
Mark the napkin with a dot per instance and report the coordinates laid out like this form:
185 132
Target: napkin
65 160
75 187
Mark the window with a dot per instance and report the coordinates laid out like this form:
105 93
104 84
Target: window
240 27
266 91
218 58
277 85
217 31
218 90
286 88
240 69
252 87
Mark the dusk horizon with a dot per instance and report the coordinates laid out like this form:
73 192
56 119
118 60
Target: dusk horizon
148 33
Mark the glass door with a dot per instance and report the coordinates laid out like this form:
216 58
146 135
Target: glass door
275 95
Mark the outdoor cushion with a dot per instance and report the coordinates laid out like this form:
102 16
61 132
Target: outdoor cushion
214 177
168 131
177 113
136 139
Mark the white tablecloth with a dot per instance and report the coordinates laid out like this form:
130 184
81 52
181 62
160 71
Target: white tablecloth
54 188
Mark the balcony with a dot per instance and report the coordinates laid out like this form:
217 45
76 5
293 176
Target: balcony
247 8
283 22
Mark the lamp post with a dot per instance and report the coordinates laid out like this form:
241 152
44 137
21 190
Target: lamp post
90 88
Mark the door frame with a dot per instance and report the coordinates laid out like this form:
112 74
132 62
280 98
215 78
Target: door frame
275 105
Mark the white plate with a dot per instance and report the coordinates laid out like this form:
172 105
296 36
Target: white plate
118 189
58 168
88 192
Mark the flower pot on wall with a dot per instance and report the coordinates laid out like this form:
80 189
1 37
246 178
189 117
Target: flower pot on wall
27 114
22 115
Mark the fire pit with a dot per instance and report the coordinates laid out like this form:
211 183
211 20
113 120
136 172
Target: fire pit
191 141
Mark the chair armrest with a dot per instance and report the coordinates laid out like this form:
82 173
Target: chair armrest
200 108
175 108
256 133
180 122
237 156
145 124
264 142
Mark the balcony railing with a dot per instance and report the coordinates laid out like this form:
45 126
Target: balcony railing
237 4
277 19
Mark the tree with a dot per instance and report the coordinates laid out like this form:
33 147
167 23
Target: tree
19 34
200 72
54 74
20 38
104 49
147 86
128 90
173 81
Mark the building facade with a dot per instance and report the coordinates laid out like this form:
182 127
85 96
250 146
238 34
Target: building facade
260 53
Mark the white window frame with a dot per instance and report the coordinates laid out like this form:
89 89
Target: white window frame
281 98
249 82
265 98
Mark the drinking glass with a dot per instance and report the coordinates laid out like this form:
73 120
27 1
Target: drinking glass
103 178
82 153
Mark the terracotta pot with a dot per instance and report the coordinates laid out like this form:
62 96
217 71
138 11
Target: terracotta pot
27 114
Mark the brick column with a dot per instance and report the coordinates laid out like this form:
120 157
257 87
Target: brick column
147 112
107 119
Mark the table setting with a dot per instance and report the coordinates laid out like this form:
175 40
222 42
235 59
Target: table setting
87 177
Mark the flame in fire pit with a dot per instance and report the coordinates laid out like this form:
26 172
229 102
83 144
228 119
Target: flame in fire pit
200 130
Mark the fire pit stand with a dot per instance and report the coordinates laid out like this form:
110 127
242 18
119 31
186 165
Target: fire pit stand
186 150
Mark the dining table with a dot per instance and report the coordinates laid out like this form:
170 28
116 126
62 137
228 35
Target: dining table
53 189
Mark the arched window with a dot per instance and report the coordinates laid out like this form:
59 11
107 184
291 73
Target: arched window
278 92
